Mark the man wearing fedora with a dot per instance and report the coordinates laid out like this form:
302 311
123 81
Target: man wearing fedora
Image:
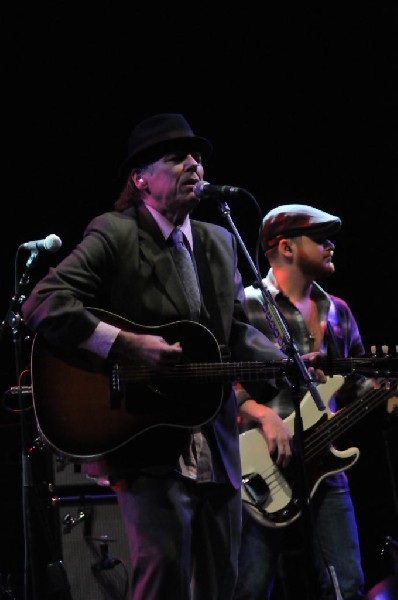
178 479
296 241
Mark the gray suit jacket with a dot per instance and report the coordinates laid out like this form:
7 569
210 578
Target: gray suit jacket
123 265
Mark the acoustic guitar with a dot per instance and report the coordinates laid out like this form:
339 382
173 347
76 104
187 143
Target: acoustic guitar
86 407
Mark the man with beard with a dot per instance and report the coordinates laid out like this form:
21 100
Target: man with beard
295 240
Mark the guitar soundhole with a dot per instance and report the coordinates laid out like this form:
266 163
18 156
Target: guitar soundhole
256 488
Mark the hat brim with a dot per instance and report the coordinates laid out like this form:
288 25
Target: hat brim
156 151
326 229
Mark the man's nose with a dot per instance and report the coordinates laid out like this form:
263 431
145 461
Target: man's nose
192 161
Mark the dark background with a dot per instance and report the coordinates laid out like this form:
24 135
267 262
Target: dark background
301 106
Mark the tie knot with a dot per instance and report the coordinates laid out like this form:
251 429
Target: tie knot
178 238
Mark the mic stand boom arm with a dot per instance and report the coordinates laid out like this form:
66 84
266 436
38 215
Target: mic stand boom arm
275 321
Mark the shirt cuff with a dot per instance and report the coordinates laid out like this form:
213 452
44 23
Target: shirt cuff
101 340
241 394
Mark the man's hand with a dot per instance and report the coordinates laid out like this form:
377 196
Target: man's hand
275 431
149 350
317 374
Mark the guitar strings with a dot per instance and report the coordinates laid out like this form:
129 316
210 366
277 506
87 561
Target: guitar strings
346 417
250 370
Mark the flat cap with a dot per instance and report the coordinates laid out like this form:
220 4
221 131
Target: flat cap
290 220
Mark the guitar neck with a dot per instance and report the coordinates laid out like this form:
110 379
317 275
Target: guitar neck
202 372
354 412
225 372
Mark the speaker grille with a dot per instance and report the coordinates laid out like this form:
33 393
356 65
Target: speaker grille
95 550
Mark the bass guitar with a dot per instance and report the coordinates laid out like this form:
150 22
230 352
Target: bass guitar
86 407
271 494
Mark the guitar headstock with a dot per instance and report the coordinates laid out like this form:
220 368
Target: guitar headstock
384 351
384 360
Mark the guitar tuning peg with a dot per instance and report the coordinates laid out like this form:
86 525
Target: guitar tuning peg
384 349
373 350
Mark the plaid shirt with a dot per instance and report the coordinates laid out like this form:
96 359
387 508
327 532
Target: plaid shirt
341 338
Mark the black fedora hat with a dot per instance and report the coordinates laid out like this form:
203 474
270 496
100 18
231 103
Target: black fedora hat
157 135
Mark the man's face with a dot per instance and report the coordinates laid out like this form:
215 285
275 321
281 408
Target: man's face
314 255
170 182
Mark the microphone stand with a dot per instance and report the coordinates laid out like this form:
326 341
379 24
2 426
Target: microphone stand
273 316
289 347
13 321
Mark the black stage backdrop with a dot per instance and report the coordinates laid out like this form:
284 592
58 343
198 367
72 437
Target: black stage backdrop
301 105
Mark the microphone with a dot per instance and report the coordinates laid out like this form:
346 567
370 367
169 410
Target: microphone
204 189
52 243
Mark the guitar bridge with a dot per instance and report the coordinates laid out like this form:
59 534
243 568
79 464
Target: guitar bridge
115 388
256 488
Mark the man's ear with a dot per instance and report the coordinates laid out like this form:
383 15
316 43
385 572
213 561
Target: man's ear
285 246
139 180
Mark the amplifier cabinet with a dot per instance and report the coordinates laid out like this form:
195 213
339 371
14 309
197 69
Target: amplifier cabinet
94 546
64 473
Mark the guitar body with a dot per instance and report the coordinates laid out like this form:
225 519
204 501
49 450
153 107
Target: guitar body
84 411
272 495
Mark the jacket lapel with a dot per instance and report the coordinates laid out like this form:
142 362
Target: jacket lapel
207 277
155 251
